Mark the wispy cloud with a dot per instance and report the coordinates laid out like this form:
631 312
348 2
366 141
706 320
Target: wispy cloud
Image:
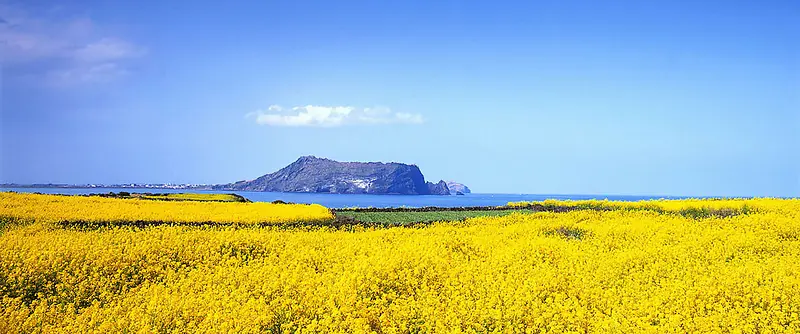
107 50
94 73
331 116
62 50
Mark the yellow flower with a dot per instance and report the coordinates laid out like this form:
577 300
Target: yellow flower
647 267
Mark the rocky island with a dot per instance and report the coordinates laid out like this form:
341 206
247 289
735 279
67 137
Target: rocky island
320 175
313 175
457 188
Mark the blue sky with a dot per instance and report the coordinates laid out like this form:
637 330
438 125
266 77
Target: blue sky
559 97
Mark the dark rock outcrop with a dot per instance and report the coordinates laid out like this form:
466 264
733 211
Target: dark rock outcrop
438 188
319 175
456 188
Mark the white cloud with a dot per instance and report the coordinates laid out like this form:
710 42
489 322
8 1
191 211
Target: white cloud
96 73
66 50
409 118
107 49
331 116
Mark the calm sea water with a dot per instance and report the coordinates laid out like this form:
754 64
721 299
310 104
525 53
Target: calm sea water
348 200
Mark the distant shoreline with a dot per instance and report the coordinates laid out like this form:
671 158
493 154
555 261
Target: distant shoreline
208 187
110 186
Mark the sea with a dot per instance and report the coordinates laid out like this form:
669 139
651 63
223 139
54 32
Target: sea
339 201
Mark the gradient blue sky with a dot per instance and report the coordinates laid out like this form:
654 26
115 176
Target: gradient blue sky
559 97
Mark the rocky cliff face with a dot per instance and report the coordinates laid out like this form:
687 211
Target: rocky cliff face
456 187
438 188
318 175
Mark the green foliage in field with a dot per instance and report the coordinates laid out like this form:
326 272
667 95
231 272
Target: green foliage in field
414 217
192 197
195 197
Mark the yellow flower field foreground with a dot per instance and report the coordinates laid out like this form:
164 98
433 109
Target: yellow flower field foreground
711 205
54 208
582 271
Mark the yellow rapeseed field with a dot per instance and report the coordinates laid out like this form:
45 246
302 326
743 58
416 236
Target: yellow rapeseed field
665 205
582 271
54 208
